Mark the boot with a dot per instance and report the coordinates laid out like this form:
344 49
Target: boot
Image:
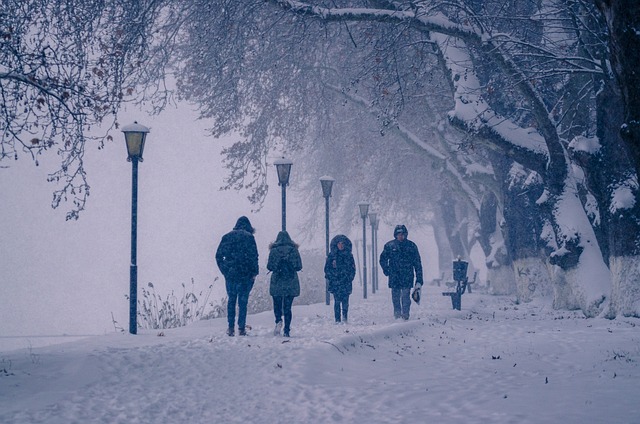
276 331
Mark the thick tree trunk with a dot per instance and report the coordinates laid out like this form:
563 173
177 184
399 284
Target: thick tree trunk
581 278
620 219
500 279
610 177
444 249
625 286
532 278
522 189
500 276
451 223
563 296
623 20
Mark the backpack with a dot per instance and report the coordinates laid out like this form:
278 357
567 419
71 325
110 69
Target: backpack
285 268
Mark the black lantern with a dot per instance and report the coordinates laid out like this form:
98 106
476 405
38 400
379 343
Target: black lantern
327 184
134 136
283 167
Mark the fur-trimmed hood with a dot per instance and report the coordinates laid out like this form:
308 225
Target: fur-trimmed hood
333 247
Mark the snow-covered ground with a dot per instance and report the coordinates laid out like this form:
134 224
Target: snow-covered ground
492 362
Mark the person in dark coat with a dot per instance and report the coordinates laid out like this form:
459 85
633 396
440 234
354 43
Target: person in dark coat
339 271
285 262
400 261
237 258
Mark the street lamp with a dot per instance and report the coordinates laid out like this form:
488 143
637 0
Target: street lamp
327 184
373 220
134 136
375 246
364 209
283 166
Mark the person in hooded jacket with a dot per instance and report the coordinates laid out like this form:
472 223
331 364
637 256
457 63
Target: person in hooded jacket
237 258
400 261
284 262
339 271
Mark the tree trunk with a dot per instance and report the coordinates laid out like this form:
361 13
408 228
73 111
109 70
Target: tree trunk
500 279
444 249
500 276
609 174
450 220
625 289
532 278
522 189
623 20
581 278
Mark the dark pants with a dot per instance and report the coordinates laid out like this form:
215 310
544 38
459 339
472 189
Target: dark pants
282 306
238 292
340 302
401 299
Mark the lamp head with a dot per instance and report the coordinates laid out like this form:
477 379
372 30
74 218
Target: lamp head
283 167
373 218
135 136
364 209
327 185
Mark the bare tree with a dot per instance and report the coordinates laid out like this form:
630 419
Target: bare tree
65 70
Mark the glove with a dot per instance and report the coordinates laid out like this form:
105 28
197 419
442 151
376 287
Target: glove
418 286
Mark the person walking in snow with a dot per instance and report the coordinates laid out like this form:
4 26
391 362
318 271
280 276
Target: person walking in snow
339 271
400 261
284 263
237 258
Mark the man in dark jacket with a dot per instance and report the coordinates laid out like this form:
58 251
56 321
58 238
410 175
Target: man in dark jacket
237 258
400 261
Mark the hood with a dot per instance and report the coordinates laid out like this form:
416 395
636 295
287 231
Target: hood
243 223
283 238
400 229
340 238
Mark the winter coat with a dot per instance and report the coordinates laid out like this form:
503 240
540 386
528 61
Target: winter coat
400 260
340 268
285 262
237 254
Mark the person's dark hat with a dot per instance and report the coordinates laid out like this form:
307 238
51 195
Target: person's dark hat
400 229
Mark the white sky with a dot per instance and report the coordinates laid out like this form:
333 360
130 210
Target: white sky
492 362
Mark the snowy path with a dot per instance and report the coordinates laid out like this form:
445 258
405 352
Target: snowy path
492 362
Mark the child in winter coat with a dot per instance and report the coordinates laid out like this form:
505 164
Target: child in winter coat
340 270
285 262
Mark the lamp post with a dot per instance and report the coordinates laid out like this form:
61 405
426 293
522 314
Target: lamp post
373 220
134 135
327 184
375 247
283 166
364 209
